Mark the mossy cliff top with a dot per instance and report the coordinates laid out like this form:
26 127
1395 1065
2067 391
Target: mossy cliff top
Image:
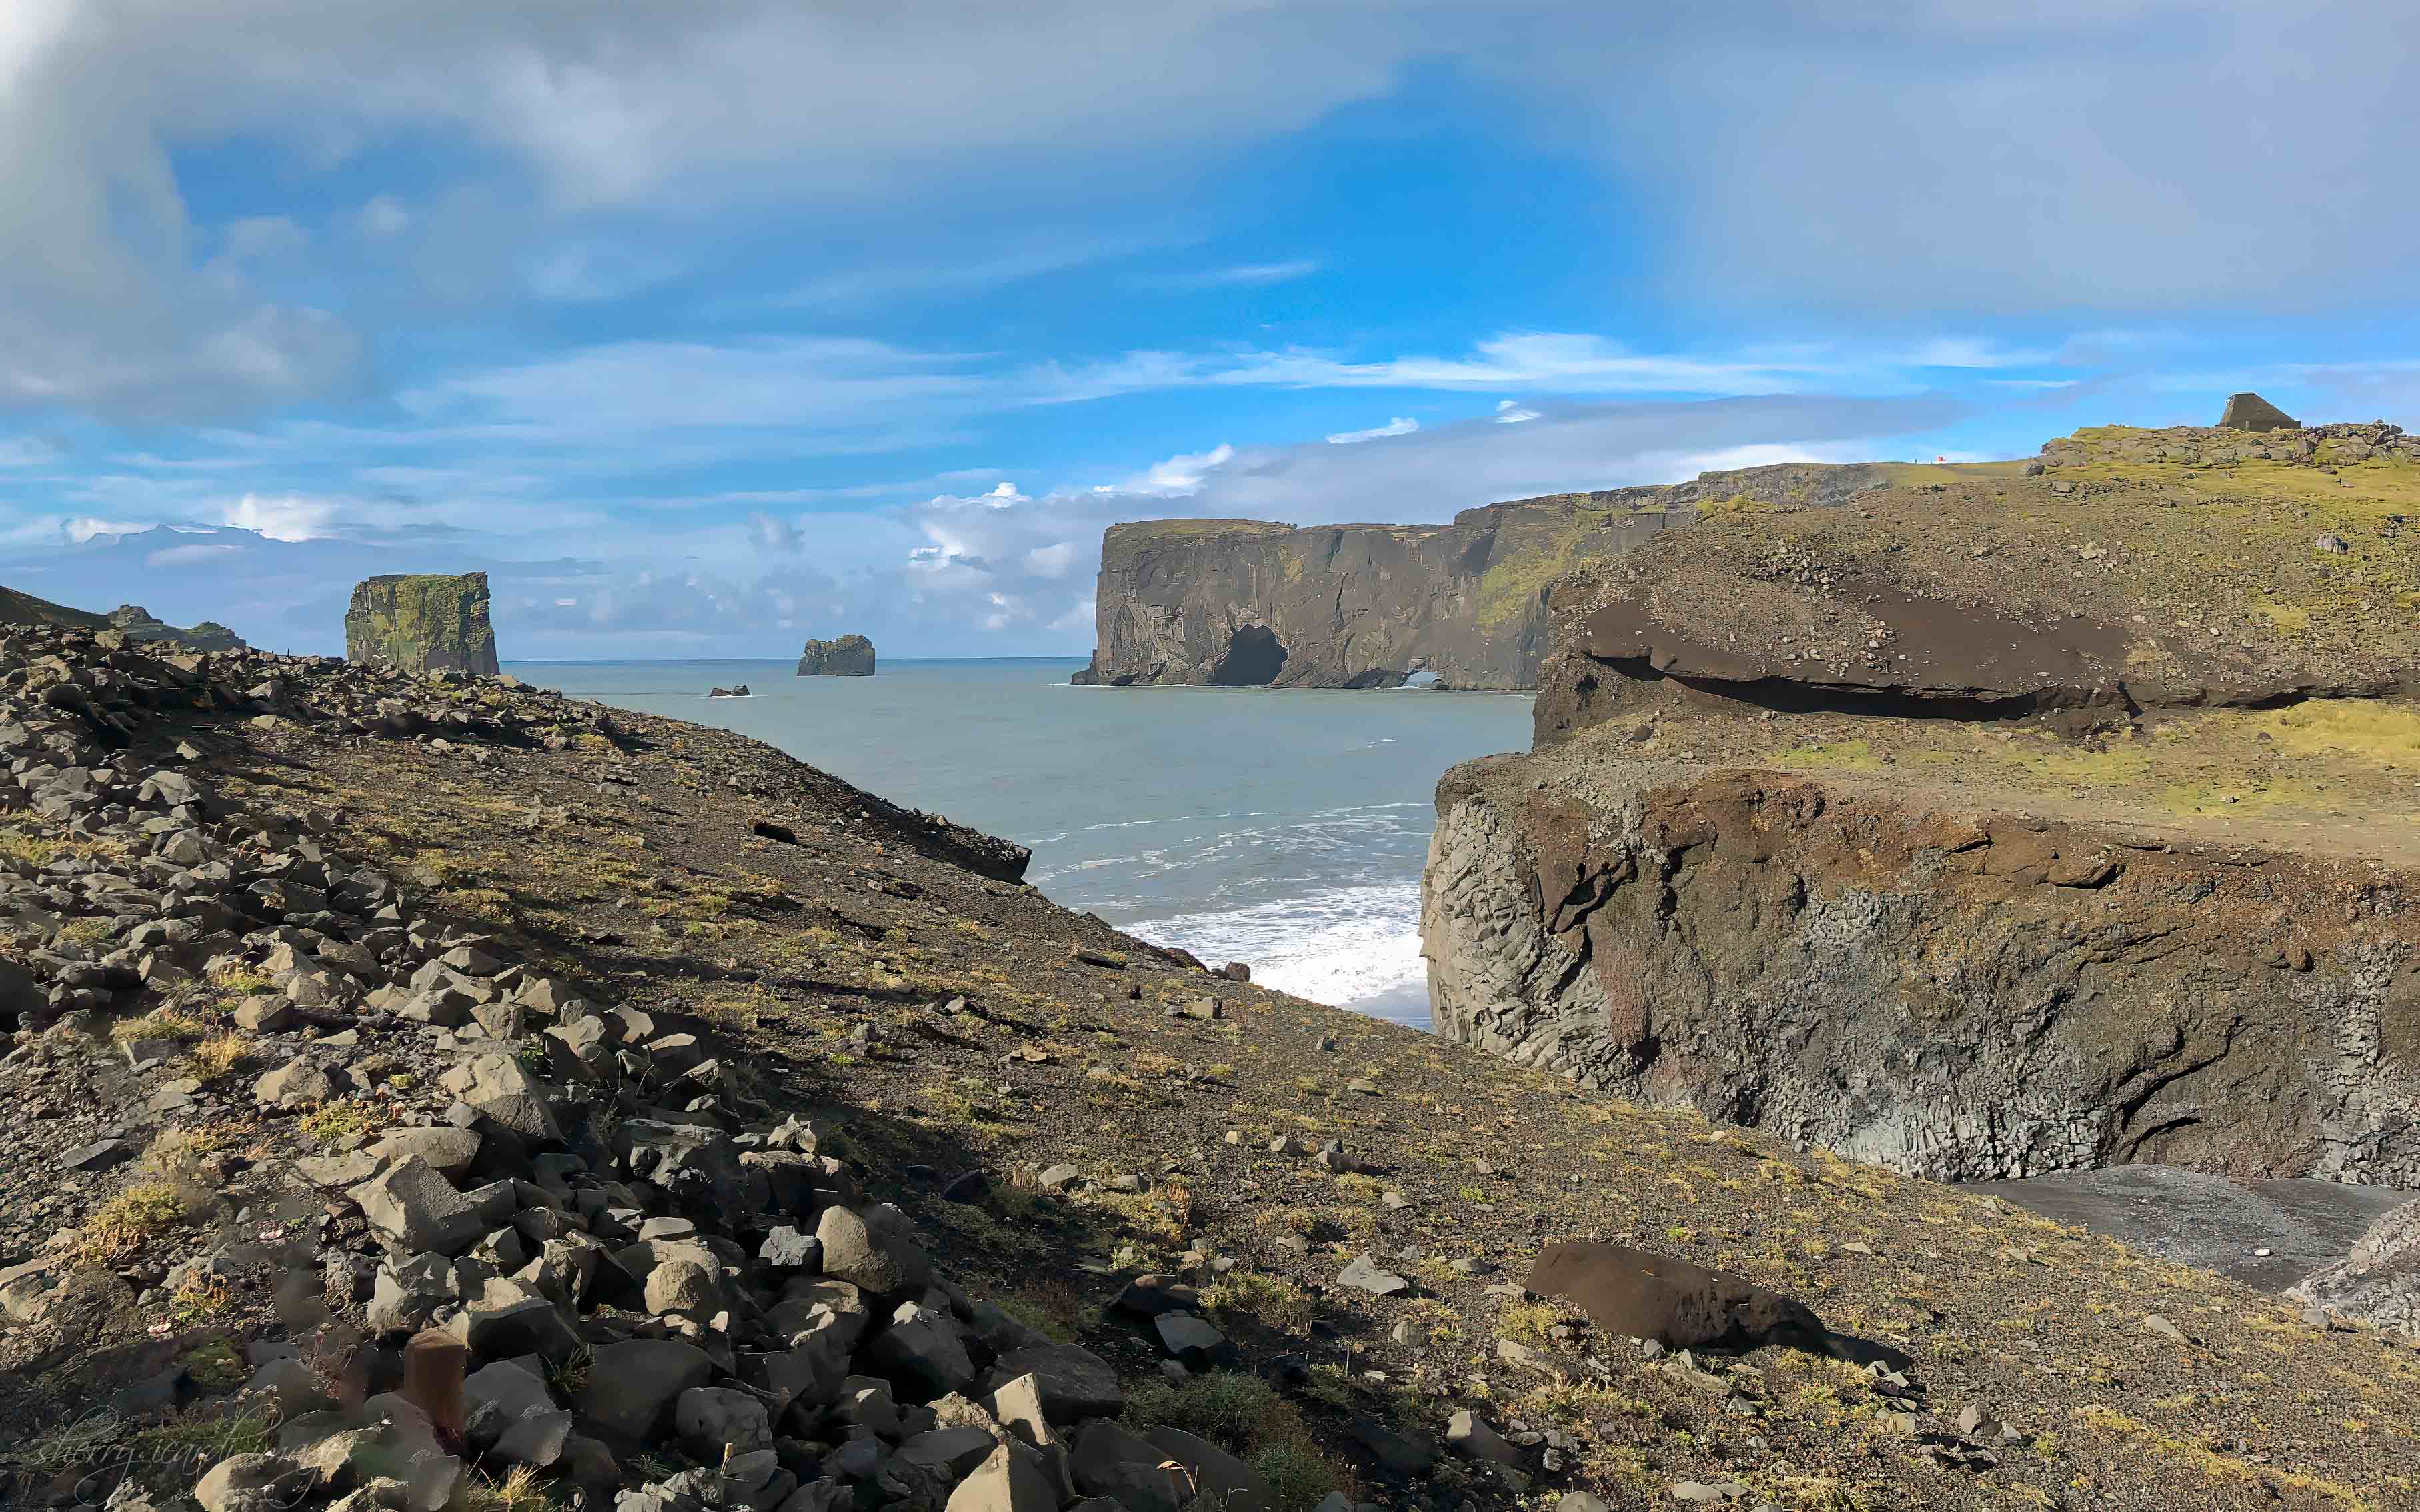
423 621
2126 571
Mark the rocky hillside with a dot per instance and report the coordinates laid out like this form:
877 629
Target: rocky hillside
435 1093
139 624
1247 603
2024 818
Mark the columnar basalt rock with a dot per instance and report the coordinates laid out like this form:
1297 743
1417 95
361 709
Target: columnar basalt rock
850 656
423 623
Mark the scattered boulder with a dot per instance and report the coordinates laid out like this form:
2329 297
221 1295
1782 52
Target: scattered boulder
1364 1274
1674 1302
876 1248
632 1384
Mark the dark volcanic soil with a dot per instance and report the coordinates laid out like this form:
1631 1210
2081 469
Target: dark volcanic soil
951 1021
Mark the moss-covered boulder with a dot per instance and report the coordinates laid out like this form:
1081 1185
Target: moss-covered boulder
423 623
851 656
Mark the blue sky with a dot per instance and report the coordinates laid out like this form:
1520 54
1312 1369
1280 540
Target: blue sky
705 328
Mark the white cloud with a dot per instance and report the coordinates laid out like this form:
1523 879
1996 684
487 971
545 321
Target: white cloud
1511 412
1051 560
281 518
85 527
772 535
1179 474
383 215
27 452
1399 426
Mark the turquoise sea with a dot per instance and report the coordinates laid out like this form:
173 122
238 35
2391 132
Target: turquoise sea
1282 828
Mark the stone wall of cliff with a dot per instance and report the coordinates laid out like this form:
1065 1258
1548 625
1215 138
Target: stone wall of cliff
2021 818
422 623
1955 993
1251 603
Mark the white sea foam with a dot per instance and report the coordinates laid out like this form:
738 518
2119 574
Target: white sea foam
1339 946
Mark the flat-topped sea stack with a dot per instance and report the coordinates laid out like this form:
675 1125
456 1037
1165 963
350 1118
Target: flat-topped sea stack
851 656
2019 817
1255 604
422 623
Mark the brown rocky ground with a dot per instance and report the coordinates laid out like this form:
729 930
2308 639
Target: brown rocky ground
839 960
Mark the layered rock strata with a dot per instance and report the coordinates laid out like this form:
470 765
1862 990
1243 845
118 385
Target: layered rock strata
1251 603
2013 822
422 623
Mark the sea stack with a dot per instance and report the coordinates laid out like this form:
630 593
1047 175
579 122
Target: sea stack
423 623
851 656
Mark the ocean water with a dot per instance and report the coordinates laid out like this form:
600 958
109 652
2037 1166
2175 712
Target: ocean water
1285 829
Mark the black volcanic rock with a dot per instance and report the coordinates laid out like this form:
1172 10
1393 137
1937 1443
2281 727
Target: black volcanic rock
851 656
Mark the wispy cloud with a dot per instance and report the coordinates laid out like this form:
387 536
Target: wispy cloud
1399 426
1238 275
881 282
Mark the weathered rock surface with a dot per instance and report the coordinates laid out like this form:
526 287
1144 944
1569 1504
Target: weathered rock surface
1677 1302
851 656
2249 411
422 623
1838 865
2378 1283
2094 588
1249 603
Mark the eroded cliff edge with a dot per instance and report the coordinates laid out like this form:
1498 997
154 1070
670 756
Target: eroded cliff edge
2009 823
1253 603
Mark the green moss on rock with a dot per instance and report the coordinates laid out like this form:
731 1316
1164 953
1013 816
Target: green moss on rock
422 623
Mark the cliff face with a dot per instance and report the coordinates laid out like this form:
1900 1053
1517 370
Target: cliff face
851 656
422 623
1249 603
2008 823
1952 991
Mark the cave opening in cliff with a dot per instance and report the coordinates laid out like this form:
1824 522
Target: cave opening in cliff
1254 657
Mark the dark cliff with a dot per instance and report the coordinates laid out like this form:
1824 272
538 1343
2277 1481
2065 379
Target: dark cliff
1251 603
851 656
2026 817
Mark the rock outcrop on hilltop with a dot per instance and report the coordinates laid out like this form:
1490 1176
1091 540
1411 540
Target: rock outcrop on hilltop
1248 603
141 624
422 623
138 622
851 656
428 1092
2021 818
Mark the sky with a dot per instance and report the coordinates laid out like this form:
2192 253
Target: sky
707 326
